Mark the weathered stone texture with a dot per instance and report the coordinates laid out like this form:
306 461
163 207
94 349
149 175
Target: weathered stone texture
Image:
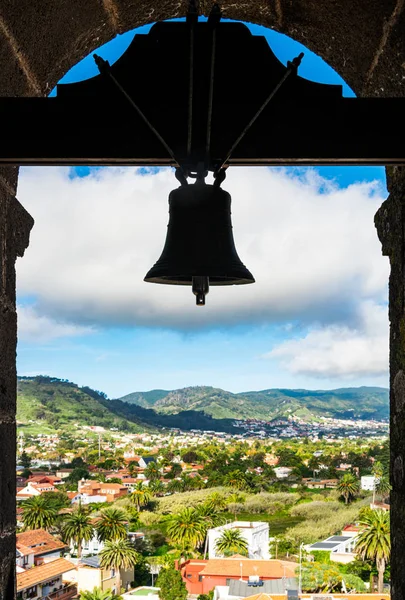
15 225
50 37
390 223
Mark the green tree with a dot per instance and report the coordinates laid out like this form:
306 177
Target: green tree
217 501
25 460
320 577
111 524
141 495
157 487
186 528
77 528
118 554
209 596
38 513
236 480
383 487
348 487
175 471
231 541
378 472
98 594
171 584
374 541
152 471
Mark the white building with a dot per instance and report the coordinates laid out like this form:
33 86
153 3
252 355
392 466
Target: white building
255 533
368 482
340 547
282 472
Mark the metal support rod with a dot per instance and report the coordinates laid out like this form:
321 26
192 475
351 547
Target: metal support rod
192 19
291 68
104 68
213 20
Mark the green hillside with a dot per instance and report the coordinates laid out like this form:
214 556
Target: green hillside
344 403
46 404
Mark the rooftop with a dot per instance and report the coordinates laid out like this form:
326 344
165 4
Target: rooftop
38 541
43 573
275 569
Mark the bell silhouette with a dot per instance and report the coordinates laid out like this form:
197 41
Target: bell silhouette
199 248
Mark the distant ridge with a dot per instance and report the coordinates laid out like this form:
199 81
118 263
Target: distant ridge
342 403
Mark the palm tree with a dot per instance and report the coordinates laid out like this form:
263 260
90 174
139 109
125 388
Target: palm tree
38 514
118 554
231 542
77 527
217 501
152 471
141 495
378 472
175 485
235 498
111 524
211 519
236 480
383 487
98 594
348 487
157 487
374 541
186 528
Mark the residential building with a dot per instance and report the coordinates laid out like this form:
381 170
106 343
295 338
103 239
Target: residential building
202 576
368 482
91 575
45 581
341 548
112 491
34 489
255 533
63 473
144 461
282 472
237 590
36 547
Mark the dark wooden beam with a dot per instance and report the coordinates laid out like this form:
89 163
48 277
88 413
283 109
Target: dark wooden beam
53 131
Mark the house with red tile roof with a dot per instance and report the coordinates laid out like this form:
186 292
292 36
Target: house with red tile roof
202 576
45 581
36 547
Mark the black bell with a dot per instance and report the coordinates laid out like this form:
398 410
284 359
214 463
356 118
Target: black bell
199 249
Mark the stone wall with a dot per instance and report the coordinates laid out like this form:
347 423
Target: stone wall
363 40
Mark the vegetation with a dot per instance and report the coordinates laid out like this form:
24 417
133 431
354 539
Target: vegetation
77 528
374 541
267 404
111 525
348 487
171 584
231 541
38 513
98 594
118 554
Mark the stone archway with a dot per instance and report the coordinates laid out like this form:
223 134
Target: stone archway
363 40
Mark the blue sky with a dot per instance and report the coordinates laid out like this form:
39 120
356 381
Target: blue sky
316 317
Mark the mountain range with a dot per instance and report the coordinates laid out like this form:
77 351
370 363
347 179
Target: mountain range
47 404
344 403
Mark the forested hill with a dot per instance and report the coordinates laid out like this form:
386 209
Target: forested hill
45 403
343 403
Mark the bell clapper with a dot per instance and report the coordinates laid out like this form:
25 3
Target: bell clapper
200 288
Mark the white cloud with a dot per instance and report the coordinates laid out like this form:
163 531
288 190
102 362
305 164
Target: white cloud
312 248
33 327
339 351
